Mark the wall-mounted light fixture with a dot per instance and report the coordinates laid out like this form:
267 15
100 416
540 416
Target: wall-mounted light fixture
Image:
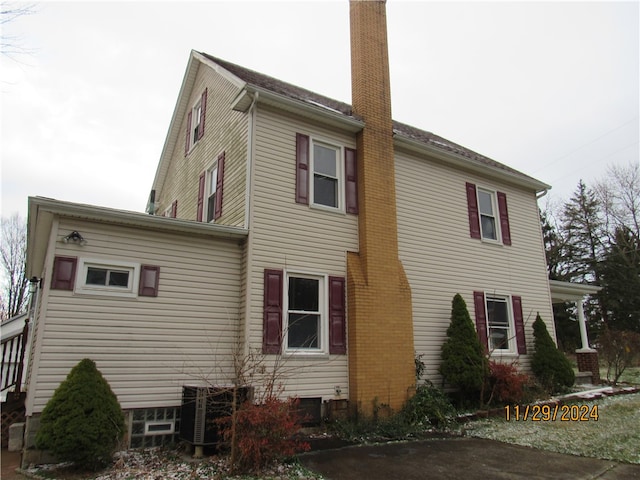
75 237
34 283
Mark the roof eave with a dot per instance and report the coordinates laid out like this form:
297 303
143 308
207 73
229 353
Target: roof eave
469 164
314 112
42 211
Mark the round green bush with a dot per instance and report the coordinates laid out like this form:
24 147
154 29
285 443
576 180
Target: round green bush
550 366
83 421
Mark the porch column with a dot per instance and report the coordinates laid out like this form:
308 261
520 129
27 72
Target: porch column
583 329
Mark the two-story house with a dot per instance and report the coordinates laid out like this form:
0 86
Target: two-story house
326 237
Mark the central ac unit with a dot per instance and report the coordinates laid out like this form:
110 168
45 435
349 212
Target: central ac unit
201 406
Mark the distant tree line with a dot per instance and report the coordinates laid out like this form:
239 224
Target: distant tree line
594 238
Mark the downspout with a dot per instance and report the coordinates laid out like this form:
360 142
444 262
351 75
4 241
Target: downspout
247 220
250 150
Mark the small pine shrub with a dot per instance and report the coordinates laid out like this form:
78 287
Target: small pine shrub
550 366
464 364
82 422
507 384
264 433
430 406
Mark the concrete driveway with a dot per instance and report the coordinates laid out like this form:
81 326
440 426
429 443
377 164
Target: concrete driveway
459 458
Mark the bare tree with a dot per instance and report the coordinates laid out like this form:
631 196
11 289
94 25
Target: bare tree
11 45
619 195
13 250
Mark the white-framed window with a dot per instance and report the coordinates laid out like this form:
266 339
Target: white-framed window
107 277
196 123
159 427
210 193
488 209
500 324
305 325
327 178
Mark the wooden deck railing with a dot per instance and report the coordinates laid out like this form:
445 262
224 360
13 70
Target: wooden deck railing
13 351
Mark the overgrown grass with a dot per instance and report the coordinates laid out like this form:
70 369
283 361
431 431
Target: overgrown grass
614 436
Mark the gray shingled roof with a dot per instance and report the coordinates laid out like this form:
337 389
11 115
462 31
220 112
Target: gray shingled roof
297 93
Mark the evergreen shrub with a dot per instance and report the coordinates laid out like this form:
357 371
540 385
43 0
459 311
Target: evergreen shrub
82 422
464 365
550 366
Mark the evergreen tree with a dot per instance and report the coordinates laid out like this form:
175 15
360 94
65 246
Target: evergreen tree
585 246
464 364
82 422
621 279
564 315
550 366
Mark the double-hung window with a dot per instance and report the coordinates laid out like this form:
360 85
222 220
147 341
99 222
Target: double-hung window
488 215
212 180
500 324
195 122
327 181
487 207
326 175
305 314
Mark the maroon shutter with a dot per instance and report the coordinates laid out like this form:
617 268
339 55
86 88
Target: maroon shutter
481 318
203 109
504 218
187 142
199 210
219 183
149 277
302 168
474 214
351 180
272 320
518 321
174 209
64 273
337 317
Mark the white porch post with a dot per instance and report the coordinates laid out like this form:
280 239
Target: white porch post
583 329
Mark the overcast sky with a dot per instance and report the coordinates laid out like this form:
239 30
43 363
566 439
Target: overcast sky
548 88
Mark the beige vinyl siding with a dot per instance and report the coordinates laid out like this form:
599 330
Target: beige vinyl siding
296 238
441 259
225 131
146 347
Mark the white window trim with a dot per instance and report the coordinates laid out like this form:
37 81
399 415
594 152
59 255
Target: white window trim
168 431
195 122
496 214
511 333
323 305
81 286
207 191
339 175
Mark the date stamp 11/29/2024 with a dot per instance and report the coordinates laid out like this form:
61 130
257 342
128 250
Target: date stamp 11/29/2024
551 413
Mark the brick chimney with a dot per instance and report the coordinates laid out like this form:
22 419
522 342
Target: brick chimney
381 348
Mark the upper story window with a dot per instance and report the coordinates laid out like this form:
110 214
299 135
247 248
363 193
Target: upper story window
487 207
327 181
195 122
326 175
212 178
488 214
210 191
